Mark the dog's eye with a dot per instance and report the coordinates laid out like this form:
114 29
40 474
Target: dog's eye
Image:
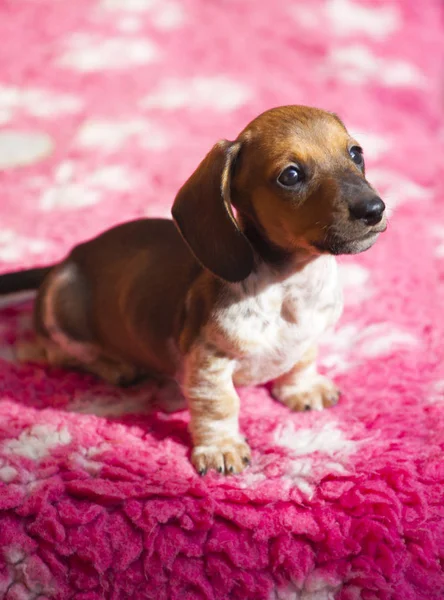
356 155
290 176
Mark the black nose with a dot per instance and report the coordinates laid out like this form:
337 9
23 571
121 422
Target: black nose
370 211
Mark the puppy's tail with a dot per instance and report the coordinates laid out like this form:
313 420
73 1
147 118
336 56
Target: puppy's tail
22 281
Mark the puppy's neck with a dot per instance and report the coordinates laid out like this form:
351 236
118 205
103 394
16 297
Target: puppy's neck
271 258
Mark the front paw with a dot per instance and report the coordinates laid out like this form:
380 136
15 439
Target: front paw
228 457
316 393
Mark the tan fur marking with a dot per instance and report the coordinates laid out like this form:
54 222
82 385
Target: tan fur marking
302 388
214 408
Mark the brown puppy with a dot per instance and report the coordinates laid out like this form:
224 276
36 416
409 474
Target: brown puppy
231 299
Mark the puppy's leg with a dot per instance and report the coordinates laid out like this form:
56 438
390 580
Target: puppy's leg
63 316
214 408
33 352
114 372
303 388
90 361
46 352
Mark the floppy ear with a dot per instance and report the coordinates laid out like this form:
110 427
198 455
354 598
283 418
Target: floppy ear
203 214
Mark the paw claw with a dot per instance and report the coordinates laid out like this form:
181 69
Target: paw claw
230 457
316 394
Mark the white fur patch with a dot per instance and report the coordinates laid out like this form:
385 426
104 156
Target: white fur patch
37 441
273 324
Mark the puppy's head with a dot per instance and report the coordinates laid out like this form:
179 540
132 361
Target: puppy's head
297 180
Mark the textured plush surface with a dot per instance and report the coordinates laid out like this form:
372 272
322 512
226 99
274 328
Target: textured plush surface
106 107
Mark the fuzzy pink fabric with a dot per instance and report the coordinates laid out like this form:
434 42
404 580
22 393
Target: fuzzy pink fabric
116 102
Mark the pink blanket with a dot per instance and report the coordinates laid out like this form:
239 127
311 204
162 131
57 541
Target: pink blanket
106 107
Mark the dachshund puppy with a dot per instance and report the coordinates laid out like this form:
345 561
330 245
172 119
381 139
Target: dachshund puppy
236 291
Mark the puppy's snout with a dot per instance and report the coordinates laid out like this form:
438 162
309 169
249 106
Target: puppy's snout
370 210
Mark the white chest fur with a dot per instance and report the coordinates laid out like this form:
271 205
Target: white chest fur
267 326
